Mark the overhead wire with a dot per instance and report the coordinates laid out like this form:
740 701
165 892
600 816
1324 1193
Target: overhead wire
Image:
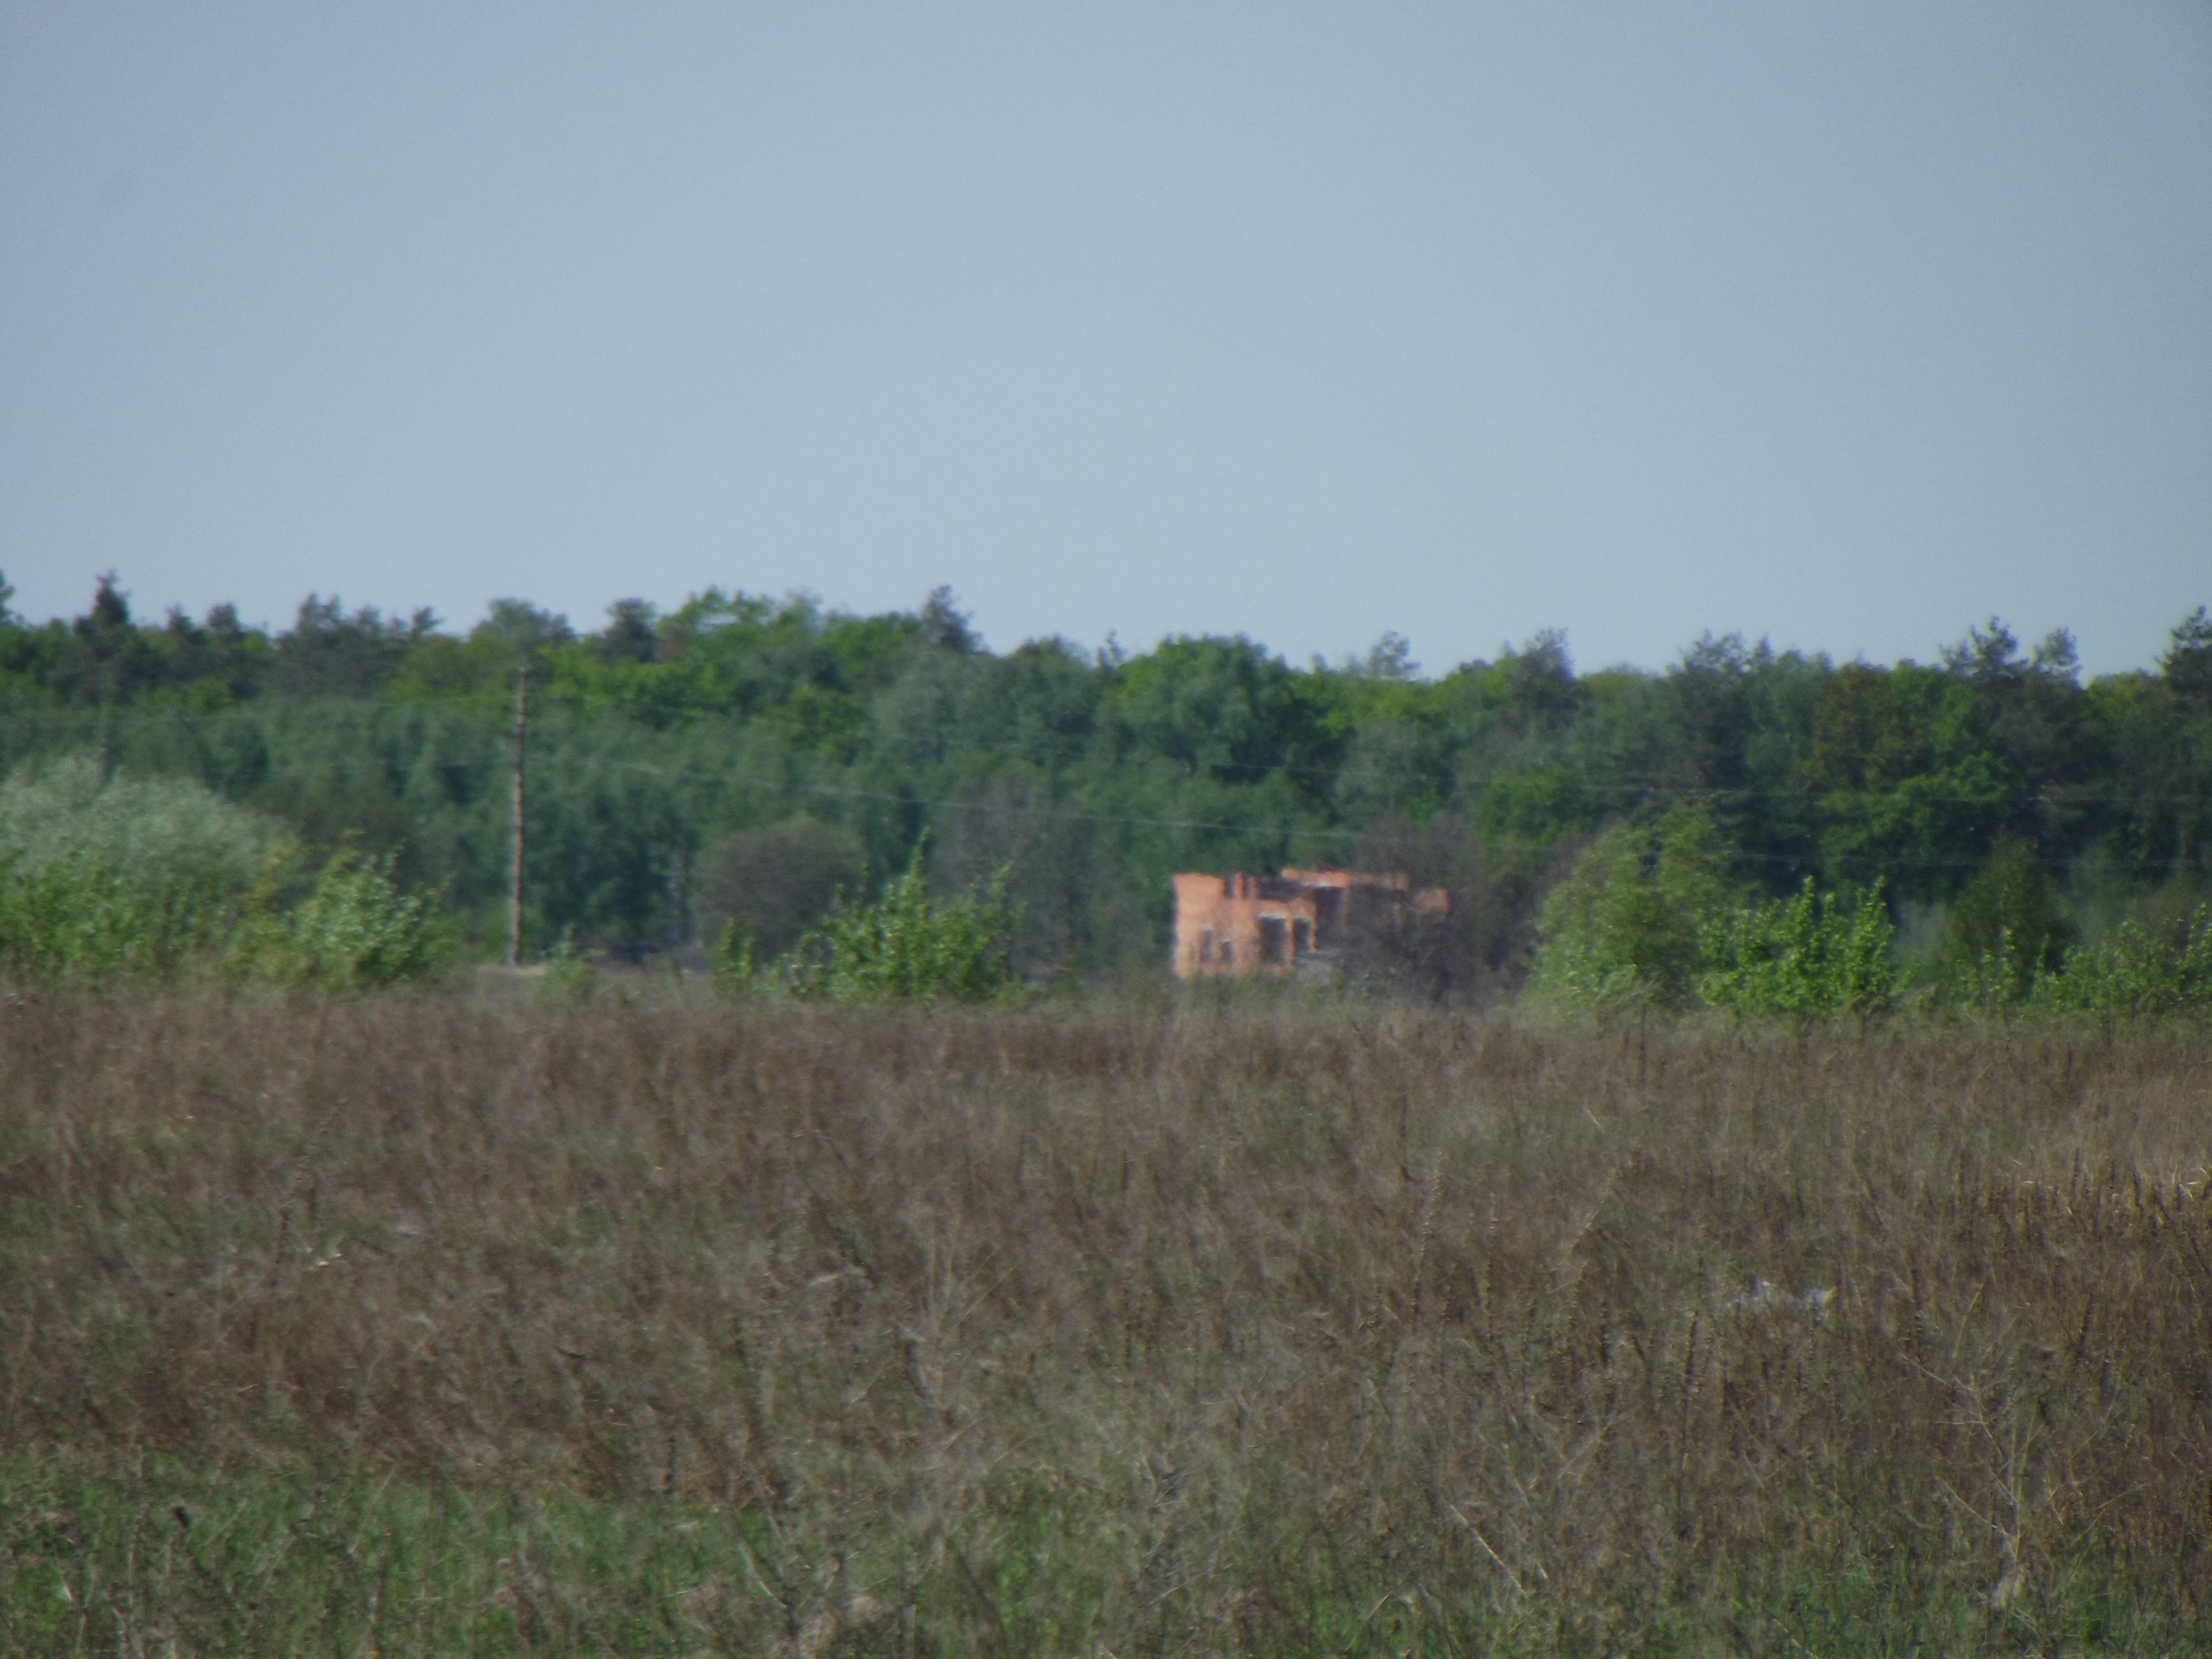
1041 750
491 752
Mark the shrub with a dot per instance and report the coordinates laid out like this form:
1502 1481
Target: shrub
104 880
571 975
732 961
773 885
907 945
150 831
2008 929
74 920
1996 982
354 931
1805 956
107 879
1624 927
2132 974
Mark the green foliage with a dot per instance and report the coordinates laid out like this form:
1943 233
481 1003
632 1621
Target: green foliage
1536 808
906 946
773 884
2131 973
1806 957
1996 983
2186 666
354 930
1624 927
109 879
1225 707
732 962
1644 919
277 1562
74 920
570 975
149 832
2009 929
330 653
663 738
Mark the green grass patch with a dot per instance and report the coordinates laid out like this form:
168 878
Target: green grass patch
159 1558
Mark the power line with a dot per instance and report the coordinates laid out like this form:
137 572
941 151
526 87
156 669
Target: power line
1619 786
484 751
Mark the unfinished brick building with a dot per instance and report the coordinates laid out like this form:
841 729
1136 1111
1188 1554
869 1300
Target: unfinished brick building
1270 924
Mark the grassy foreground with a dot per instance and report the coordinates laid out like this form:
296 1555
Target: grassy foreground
441 1325
160 1560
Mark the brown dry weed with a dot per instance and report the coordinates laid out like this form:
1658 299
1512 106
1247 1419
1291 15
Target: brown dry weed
1458 1304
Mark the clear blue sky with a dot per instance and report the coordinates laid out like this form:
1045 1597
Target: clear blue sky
1842 324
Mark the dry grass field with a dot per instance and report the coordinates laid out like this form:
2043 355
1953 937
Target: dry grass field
444 1324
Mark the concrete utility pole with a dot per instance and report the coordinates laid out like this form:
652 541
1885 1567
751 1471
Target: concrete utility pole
514 895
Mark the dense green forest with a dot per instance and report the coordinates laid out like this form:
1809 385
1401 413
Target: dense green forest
741 757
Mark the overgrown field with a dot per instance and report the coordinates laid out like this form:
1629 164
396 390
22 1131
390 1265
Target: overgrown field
449 1324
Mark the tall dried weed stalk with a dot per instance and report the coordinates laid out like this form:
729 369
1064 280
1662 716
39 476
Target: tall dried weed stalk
1205 1318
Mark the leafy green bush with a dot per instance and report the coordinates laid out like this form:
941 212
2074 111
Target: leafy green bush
2131 973
570 975
1998 982
148 831
906 945
774 883
1807 956
354 930
732 961
73 919
1623 929
106 879
1644 919
109 879
2008 931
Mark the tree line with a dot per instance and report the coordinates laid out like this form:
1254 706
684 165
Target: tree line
743 759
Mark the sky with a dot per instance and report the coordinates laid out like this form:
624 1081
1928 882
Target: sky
1847 326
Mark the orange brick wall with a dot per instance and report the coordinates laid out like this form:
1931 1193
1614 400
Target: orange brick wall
1245 924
